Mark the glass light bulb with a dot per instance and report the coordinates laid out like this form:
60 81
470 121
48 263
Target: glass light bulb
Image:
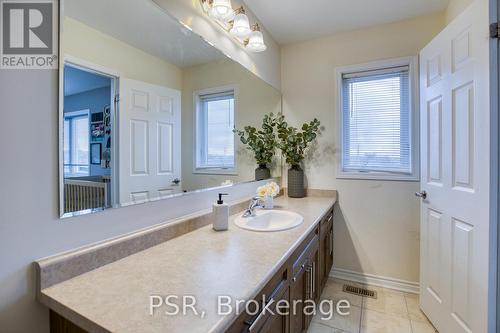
241 26
221 9
256 42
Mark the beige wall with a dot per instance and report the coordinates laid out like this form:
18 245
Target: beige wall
455 8
382 237
265 65
254 99
86 43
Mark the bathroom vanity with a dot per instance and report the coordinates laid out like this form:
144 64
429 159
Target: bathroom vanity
302 277
241 264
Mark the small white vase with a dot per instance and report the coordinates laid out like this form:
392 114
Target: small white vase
268 202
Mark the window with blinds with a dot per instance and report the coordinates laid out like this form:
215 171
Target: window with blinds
376 121
215 138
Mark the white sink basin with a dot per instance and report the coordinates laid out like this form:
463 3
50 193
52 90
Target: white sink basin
270 220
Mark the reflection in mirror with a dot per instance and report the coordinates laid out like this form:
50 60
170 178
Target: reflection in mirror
148 108
88 103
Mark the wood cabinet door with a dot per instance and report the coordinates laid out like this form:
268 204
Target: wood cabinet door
298 293
304 288
325 249
329 254
277 323
59 324
314 291
323 257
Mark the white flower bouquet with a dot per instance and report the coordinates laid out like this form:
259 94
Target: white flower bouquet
267 193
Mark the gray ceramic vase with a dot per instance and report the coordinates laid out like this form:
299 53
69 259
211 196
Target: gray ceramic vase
262 172
296 183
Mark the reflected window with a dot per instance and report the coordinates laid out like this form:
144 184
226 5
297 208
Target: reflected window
215 137
76 144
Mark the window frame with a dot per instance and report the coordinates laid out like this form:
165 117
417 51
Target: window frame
414 126
197 140
70 116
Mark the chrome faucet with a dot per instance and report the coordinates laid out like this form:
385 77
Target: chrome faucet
255 202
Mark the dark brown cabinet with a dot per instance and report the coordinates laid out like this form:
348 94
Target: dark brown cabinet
298 290
304 285
59 324
315 289
325 248
277 323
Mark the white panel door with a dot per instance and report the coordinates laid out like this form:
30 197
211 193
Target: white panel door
454 113
149 141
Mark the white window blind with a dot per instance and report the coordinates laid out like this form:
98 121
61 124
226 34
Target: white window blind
376 135
215 131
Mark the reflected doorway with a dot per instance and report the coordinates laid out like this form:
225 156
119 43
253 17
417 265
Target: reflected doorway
89 109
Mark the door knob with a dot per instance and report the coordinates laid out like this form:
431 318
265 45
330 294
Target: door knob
421 194
176 181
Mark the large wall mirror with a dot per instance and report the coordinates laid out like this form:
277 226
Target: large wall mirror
147 108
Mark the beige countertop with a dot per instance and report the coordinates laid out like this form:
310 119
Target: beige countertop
203 263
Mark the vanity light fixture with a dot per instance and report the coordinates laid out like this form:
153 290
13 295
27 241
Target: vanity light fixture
221 9
255 42
236 23
241 25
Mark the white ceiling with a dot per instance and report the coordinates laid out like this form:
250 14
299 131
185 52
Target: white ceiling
142 24
298 20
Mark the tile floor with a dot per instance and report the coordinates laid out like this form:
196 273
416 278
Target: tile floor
391 312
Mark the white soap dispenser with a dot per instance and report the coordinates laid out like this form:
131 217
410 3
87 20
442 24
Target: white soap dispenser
221 214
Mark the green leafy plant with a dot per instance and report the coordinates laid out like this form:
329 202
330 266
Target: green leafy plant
261 142
294 142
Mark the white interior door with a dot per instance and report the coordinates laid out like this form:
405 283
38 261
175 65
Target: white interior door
149 141
454 89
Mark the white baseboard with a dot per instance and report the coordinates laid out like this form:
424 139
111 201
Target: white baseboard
375 280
